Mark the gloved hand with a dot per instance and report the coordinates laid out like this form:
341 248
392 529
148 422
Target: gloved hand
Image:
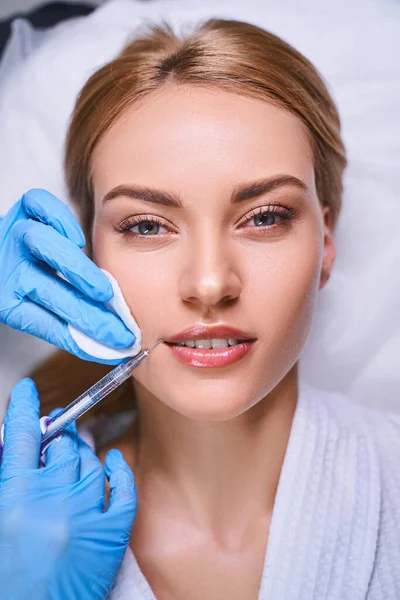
39 236
56 543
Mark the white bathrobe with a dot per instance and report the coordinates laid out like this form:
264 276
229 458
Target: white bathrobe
335 527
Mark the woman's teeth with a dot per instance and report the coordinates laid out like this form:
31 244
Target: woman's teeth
209 344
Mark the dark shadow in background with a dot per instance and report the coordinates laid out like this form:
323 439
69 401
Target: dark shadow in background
44 17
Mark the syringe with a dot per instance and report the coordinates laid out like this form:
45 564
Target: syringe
98 391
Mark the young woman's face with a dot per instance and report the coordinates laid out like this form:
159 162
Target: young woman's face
212 260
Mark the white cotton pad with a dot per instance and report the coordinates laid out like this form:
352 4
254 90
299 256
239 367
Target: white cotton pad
118 306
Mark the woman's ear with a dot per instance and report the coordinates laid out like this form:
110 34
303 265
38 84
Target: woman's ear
329 247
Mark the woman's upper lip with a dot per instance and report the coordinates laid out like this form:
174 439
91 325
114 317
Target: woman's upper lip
203 332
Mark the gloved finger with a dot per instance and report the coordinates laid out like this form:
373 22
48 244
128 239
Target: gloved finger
38 321
14 213
22 432
91 473
47 208
123 494
62 457
46 244
60 297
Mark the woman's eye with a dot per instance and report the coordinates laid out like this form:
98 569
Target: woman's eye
264 219
269 218
146 228
149 227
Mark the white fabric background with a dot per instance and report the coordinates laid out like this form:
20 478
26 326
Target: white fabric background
354 345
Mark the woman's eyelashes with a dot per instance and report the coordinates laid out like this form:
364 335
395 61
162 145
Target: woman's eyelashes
146 226
261 218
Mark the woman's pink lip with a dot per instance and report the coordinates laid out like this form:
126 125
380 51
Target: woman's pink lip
217 357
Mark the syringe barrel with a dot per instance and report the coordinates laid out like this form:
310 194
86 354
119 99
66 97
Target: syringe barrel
89 398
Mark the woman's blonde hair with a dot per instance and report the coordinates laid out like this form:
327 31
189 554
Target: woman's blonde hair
219 54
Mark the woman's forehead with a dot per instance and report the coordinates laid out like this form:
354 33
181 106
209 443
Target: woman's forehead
201 138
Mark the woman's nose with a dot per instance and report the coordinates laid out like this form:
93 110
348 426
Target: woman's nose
211 275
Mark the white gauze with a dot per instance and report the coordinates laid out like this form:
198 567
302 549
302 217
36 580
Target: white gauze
118 306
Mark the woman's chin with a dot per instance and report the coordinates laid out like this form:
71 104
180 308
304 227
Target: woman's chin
208 405
201 394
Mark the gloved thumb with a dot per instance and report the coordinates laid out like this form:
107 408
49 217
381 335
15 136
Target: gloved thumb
123 494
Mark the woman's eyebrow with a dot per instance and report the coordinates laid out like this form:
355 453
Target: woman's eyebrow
172 200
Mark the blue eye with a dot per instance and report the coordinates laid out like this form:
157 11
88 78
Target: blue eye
265 216
263 219
147 226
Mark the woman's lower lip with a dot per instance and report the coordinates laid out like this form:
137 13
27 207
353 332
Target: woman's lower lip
217 357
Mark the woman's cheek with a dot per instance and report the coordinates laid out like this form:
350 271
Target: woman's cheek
149 295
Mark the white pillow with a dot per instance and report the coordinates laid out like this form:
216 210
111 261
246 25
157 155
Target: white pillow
354 345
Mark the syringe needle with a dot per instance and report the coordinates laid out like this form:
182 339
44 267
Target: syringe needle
156 344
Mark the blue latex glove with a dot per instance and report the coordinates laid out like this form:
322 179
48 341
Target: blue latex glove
56 543
39 236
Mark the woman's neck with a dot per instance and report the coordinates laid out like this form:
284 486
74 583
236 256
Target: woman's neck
218 477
